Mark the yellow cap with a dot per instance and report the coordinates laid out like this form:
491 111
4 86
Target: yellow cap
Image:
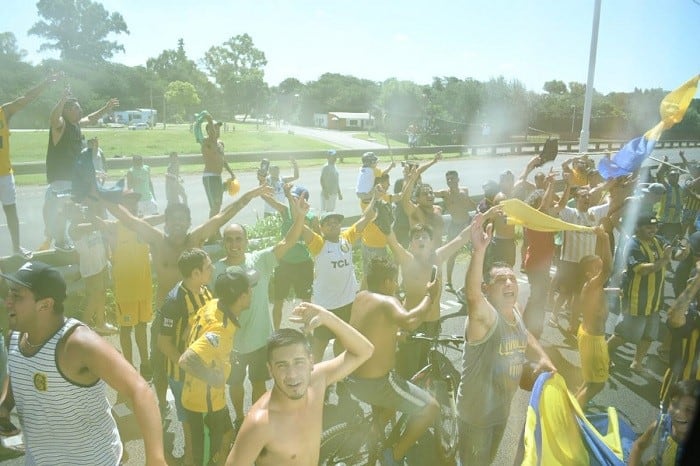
233 186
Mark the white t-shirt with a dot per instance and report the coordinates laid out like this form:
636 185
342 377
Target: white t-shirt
278 187
365 181
578 244
334 284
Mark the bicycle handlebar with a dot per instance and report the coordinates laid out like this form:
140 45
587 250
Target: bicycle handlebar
440 339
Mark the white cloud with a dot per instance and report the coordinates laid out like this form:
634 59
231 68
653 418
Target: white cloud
399 37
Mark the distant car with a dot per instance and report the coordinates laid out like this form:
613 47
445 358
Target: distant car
139 126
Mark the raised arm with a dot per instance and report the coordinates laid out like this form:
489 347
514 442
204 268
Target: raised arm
400 253
211 226
101 359
408 206
145 230
358 349
299 210
295 176
436 158
446 251
481 315
411 319
19 103
677 311
106 108
522 179
602 249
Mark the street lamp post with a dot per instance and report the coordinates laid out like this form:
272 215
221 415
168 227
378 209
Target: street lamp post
573 118
586 118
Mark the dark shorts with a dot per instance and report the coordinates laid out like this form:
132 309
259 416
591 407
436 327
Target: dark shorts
570 277
298 276
176 387
253 363
637 328
322 333
214 189
219 425
157 357
389 391
479 445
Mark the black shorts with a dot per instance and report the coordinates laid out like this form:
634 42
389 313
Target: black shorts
214 189
322 333
253 363
299 276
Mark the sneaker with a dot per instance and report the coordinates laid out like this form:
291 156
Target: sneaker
638 368
7 428
24 253
448 287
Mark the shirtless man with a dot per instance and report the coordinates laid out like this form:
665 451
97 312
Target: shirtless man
284 426
378 315
416 263
458 204
593 306
214 163
166 247
423 211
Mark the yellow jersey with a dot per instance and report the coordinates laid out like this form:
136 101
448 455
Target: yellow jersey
5 165
211 338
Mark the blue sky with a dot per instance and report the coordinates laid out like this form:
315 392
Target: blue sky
642 43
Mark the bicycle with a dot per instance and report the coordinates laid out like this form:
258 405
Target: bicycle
362 436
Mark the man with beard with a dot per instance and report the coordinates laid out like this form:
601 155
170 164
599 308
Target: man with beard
284 426
249 352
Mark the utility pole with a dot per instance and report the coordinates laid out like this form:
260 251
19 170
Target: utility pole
586 118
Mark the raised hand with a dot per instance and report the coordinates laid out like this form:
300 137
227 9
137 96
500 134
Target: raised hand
112 103
307 314
480 237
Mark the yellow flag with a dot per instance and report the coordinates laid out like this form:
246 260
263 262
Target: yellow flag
519 213
675 104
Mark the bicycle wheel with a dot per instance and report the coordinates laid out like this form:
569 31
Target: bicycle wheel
347 444
445 429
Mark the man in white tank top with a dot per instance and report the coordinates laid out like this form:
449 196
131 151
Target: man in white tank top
58 371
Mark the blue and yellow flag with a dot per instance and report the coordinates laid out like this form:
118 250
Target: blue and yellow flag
558 433
632 154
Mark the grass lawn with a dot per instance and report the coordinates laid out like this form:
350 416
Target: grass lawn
30 146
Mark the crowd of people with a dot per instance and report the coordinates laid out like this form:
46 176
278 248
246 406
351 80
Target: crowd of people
212 324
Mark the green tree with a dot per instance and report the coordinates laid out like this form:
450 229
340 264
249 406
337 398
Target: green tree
340 93
555 87
9 48
174 65
286 99
237 67
78 29
182 99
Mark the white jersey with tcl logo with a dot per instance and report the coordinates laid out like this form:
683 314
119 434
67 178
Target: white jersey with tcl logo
335 284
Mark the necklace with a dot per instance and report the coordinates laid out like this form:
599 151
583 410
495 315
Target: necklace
26 341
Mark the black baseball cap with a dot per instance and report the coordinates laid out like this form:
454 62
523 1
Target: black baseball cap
230 285
42 279
647 220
